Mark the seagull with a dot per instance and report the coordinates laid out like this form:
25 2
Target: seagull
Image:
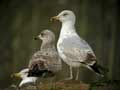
46 61
72 49
23 74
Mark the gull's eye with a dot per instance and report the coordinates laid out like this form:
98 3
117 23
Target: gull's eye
65 14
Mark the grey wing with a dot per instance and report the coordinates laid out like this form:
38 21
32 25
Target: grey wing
78 50
76 41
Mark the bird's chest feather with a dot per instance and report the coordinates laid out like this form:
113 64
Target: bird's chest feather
60 44
60 49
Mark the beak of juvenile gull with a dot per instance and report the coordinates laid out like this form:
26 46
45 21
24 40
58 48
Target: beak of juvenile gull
54 18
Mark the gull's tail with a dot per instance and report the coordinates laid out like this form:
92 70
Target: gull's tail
98 69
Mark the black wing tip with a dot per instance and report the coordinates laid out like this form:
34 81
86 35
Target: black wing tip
95 69
100 70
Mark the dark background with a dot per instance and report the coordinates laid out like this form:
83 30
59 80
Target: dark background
21 20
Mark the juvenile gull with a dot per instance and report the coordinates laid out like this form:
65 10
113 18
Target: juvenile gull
71 47
45 62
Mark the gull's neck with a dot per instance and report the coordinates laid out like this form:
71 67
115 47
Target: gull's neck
45 46
67 28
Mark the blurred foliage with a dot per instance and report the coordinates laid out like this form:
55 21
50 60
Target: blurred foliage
21 20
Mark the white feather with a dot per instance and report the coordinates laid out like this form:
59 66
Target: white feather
28 80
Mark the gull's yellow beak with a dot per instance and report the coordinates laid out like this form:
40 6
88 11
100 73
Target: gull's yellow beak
16 75
54 18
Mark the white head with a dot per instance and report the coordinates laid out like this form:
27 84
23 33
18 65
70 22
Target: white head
23 74
65 16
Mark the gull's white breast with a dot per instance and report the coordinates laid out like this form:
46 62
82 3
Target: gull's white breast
60 48
62 36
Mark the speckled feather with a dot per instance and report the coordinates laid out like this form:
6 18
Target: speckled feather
47 57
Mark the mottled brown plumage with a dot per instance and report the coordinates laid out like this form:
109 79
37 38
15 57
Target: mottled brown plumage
46 60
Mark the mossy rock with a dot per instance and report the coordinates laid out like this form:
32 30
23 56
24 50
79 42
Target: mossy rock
65 85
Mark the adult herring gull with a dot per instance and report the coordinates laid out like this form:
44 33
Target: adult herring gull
71 47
